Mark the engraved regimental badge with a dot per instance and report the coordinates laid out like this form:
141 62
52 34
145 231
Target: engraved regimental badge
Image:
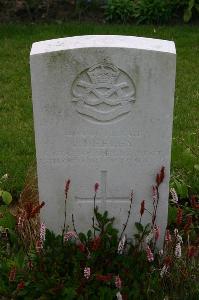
103 92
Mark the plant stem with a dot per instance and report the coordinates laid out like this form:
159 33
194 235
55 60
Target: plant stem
64 229
74 228
94 208
155 208
128 215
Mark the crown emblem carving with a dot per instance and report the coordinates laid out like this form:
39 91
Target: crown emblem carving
103 93
103 73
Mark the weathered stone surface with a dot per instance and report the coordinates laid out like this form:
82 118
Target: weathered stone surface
103 110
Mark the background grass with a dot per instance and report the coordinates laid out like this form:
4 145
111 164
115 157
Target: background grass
17 149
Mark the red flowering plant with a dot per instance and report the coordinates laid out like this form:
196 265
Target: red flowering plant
184 215
102 264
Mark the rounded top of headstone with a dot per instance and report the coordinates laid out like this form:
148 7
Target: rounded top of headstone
103 41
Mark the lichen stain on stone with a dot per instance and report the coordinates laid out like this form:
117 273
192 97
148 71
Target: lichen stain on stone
56 58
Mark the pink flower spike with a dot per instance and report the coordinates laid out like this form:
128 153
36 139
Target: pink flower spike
38 246
96 187
87 272
178 251
149 254
20 222
42 232
70 235
175 232
164 270
67 185
168 236
12 274
121 245
174 195
118 282
30 264
119 296
21 219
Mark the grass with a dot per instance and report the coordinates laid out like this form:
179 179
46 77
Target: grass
17 149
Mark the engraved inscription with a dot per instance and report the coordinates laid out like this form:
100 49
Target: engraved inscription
103 92
81 157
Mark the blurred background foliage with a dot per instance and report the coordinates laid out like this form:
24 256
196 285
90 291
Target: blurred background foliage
135 11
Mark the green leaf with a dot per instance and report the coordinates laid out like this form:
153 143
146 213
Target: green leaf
69 293
196 167
19 259
110 230
187 15
139 227
82 237
13 237
7 220
181 188
188 11
89 234
172 211
188 154
96 228
6 196
191 4
105 215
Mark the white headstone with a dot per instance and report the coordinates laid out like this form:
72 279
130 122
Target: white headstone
103 112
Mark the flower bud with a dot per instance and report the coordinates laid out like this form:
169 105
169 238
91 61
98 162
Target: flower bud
96 187
21 285
67 185
142 207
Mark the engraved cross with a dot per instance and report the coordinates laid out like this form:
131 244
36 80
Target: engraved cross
103 198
